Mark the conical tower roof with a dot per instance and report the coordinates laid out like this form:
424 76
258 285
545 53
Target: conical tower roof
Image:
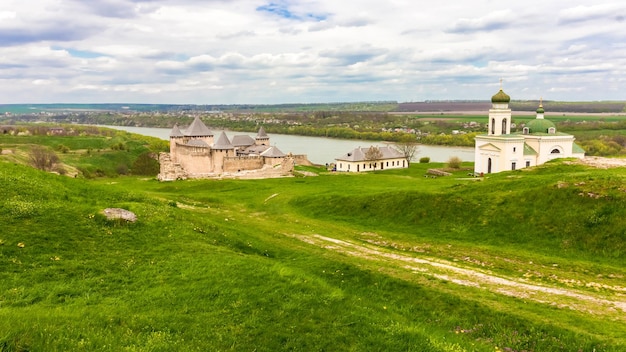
198 129
176 131
222 142
261 133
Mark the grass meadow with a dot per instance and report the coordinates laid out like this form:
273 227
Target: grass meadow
528 260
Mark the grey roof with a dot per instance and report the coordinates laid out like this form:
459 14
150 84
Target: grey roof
273 152
242 140
176 131
358 154
197 143
254 149
261 133
198 129
223 142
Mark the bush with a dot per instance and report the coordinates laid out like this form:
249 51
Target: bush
146 164
122 169
63 148
42 158
454 162
424 160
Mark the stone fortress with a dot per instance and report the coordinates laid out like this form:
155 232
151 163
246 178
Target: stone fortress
195 153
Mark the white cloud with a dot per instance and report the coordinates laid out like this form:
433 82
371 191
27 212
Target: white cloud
257 51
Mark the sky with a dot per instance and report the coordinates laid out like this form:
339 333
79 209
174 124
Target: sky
309 51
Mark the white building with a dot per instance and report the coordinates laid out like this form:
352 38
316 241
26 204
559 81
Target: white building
371 159
500 150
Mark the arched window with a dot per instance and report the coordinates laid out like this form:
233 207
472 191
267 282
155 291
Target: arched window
489 166
555 151
526 130
551 130
504 126
493 126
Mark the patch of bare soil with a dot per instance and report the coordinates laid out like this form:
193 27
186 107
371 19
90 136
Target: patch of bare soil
611 301
603 163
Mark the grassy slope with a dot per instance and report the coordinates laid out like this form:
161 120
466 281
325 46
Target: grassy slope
222 270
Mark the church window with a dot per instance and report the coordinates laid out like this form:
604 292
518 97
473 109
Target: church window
555 151
527 163
551 130
526 130
504 126
513 164
514 148
493 126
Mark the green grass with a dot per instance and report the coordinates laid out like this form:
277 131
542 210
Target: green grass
235 265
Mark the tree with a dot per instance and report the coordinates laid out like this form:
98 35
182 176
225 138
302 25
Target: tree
407 146
146 164
373 153
42 158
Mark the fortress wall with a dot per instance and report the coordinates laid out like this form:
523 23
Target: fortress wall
273 161
195 160
302 159
238 163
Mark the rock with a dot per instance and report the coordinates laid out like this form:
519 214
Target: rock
119 213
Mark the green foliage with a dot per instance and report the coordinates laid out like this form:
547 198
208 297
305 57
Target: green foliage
146 164
62 148
424 160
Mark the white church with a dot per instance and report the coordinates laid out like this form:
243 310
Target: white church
500 150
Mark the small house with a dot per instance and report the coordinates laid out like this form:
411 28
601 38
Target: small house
371 159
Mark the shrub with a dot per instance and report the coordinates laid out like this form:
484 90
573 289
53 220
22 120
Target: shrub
146 164
122 169
42 158
454 162
63 148
424 160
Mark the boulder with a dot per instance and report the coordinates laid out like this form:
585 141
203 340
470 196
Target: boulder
119 213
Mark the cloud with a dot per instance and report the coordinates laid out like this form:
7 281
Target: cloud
490 22
579 14
352 55
266 51
57 32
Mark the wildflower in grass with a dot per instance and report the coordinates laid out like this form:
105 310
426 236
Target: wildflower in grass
21 245
55 258
1 242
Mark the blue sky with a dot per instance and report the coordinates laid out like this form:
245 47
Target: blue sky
308 51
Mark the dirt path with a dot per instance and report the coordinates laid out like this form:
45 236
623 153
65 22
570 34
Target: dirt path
587 302
603 163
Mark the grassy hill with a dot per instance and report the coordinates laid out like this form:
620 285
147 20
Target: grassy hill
390 261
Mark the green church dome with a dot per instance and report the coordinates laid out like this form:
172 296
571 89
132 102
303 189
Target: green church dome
539 126
540 109
501 97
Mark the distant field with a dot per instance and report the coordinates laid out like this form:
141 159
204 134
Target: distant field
375 106
516 106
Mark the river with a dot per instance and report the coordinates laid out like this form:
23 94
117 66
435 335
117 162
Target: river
321 150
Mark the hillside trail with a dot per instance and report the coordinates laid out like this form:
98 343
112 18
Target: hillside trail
611 301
